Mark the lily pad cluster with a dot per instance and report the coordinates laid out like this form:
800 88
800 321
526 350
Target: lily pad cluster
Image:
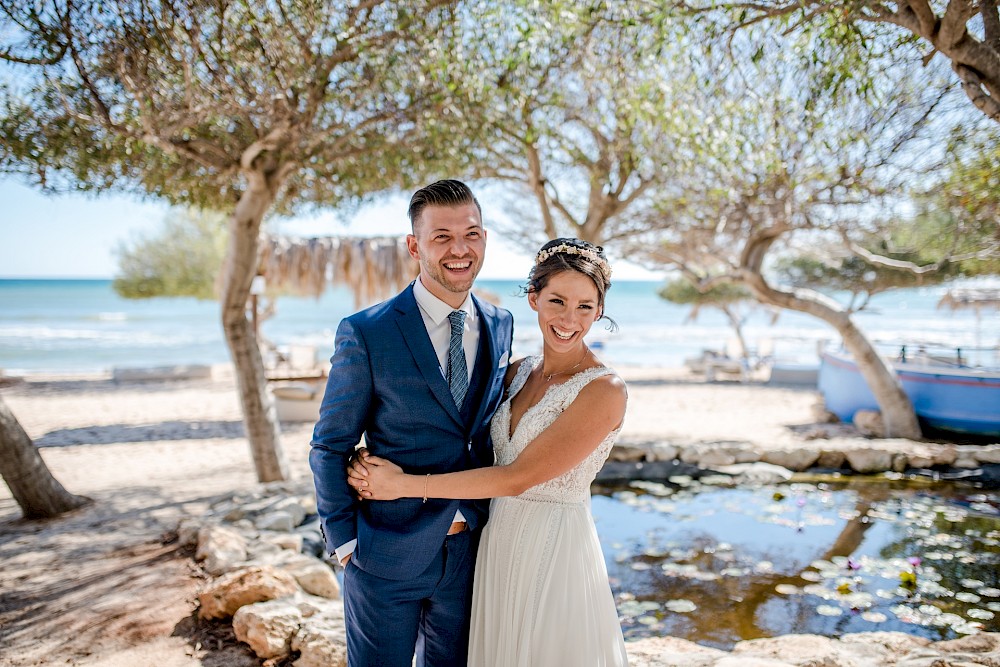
719 565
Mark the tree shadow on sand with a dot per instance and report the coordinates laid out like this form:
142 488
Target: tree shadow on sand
118 433
101 579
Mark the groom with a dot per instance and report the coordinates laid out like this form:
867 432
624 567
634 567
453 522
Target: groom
418 376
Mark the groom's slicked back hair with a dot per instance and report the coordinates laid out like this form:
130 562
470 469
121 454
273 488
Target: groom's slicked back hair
447 192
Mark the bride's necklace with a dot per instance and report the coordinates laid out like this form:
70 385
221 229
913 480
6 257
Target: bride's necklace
549 376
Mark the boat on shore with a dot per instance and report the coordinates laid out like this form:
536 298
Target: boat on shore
946 395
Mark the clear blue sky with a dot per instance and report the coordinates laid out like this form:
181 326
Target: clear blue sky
73 236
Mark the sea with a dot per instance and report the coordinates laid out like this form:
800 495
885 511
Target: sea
82 326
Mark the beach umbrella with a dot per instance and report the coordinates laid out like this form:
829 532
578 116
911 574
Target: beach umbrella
976 299
373 268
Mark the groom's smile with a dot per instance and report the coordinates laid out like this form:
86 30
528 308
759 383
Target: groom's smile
449 242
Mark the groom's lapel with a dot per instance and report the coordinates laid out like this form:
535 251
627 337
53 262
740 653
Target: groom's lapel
411 326
487 327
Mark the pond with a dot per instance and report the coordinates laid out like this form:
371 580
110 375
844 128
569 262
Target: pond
718 565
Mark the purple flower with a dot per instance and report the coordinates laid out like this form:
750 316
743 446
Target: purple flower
914 561
800 501
853 564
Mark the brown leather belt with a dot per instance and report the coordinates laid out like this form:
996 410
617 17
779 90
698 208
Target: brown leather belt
457 527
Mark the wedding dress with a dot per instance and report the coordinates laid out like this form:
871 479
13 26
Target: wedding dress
541 595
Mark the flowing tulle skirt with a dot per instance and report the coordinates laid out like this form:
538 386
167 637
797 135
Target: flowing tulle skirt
541 594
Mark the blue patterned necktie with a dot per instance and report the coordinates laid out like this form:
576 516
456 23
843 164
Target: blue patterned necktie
458 373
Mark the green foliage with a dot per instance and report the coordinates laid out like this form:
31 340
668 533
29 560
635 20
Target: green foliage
682 291
181 101
181 258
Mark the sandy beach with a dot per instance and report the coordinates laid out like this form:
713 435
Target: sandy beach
108 585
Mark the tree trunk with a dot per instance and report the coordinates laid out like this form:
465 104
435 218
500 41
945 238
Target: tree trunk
897 411
259 415
737 325
36 491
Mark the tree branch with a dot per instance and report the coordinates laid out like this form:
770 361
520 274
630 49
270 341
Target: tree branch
880 260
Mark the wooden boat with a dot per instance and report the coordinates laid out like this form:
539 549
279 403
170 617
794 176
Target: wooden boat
950 398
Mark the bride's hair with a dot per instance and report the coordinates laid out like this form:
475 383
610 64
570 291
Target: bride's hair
570 254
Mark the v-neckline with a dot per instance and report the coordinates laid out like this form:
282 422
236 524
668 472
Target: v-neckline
511 428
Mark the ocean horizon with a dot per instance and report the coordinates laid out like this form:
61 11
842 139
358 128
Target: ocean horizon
53 325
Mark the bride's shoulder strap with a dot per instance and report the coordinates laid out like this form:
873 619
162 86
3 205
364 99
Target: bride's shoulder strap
522 368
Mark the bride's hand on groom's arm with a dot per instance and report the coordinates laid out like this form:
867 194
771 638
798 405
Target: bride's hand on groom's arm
374 478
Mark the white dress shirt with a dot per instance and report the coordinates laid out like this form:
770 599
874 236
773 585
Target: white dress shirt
435 313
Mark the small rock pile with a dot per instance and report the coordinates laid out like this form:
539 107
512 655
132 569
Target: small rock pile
281 600
857 455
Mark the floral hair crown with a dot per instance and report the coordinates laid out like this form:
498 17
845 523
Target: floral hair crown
589 254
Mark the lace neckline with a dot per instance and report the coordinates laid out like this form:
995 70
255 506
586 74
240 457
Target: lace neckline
521 378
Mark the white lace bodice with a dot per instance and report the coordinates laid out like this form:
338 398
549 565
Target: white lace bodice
572 486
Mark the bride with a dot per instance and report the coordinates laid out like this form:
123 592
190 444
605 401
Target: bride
541 593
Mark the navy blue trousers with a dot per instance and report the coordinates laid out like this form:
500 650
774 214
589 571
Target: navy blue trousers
388 622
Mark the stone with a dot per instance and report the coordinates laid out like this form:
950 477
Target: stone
690 454
672 652
220 549
626 453
984 642
870 423
222 597
757 473
320 647
831 459
664 452
920 456
796 460
812 650
945 455
894 643
867 460
187 532
287 541
754 661
268 627
293 506
715 458
821 415
315 577
988 454
899 462
279 520
965 463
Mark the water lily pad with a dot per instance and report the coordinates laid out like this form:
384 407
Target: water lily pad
967 597
972 583
681 606
981 614
989 592
829 610
874 617
787 589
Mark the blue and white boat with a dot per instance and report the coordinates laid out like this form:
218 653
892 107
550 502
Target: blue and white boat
947 397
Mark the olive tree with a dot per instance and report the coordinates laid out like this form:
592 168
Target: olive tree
236 106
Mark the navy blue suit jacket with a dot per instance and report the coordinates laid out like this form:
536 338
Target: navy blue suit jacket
386 383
